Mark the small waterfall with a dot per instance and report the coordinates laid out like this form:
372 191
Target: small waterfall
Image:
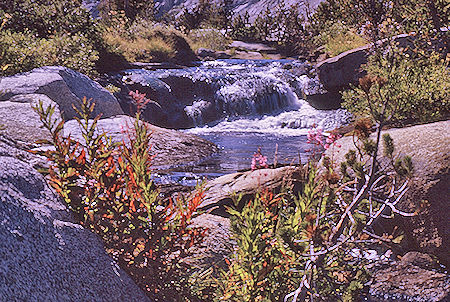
240 106
234 95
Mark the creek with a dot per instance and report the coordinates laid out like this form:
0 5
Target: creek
240 105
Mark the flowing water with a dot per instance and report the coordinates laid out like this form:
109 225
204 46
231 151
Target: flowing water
242 106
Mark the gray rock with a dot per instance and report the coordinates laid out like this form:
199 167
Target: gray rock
206 52
406 281
337 73
429 190
220 191
44 254
170 147
171 94
21 122
255 47
63 86
217 243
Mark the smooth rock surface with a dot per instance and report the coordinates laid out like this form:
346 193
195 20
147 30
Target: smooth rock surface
62 85
21 122
219 192
170 147
44 254
429 190
258 47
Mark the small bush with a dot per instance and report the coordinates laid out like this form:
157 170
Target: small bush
23 51
402 86
43 33
18 52
109 188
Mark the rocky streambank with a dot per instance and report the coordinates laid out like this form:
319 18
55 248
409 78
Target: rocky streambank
62 88
47 227
418 272
44 254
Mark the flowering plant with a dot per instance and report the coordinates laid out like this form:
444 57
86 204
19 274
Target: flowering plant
259 161
320 141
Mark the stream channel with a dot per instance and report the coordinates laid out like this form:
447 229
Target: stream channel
240 105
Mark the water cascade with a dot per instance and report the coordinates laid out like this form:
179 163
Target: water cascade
237 104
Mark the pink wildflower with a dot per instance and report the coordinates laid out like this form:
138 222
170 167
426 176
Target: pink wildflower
258 158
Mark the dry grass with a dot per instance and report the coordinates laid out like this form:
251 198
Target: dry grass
146 42
208 38
344 41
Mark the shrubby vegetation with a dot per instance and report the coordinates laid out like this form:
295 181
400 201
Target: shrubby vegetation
289 246
38 33
62 32
109 188
402 88
208 38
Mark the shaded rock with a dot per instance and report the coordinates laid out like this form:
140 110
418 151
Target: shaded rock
170 147
221 190
173 96
247 55
154 65
217 243
44 254
21 121
222 55
315 94
206 52
16 149
62 85
429 189
338 72
408 280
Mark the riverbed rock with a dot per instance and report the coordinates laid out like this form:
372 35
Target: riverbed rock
44 254
205 53
220 191
170 147
337 73
414 278
429 189
62 85
255 47
173 98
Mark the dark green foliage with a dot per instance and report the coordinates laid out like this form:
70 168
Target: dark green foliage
45 18
388 144
206 15
402 165
132 9
61 32
242 29
38 33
